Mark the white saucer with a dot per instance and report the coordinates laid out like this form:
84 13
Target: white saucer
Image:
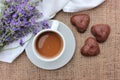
64 59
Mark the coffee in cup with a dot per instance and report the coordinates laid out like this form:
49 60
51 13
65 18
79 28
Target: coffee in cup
49 44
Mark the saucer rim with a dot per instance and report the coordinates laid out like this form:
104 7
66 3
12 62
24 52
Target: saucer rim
70 57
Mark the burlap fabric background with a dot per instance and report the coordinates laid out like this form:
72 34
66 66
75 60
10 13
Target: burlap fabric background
105 66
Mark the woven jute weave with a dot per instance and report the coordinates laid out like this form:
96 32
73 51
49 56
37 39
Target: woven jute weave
105 66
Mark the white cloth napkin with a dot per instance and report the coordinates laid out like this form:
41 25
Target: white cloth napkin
49 8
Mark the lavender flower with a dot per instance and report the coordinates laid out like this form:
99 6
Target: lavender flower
45 24
19 19
21 42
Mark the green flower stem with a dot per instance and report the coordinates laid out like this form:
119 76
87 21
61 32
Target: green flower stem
17 46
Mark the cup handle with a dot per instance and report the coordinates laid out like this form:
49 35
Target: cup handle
55 25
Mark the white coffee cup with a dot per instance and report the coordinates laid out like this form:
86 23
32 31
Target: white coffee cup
54 28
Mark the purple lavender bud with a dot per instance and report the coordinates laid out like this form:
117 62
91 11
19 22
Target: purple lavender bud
21 42
13 23
19 9
25 1
7 39
14 16
14 29
35 31
41 14
30 8
45 24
